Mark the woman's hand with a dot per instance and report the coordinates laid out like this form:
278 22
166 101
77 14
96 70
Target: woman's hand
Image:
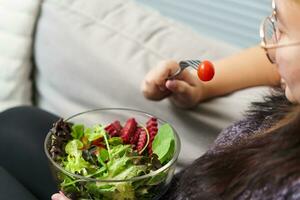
185 91
59 196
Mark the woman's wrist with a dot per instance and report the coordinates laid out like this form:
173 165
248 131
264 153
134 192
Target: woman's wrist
207 93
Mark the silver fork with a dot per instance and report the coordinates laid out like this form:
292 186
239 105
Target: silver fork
184 64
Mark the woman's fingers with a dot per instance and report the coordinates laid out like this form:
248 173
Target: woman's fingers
153 91
182 89
59 196
178 86
163 71
183 94
186 90
153 86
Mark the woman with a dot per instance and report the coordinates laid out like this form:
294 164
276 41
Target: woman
258 157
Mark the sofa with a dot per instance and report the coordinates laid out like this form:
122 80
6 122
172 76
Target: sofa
70 56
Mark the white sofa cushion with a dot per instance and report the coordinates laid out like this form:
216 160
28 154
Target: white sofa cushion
94 54
17 20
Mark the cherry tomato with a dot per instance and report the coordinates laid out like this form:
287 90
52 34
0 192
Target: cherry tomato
206 70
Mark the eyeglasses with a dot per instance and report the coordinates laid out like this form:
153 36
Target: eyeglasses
269 35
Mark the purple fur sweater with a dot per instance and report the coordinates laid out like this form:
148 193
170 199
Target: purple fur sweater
262 117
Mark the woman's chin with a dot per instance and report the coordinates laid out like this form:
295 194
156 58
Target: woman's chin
290 96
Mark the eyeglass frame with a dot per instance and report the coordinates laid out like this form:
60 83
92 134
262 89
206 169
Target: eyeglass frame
263 44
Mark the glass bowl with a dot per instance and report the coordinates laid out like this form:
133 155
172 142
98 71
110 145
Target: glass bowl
149 186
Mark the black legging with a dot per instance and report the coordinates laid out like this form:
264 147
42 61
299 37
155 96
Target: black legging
24 170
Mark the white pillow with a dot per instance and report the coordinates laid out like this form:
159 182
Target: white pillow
17 19
94 54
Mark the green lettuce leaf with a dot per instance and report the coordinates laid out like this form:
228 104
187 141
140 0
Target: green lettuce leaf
95 133
77 131
120 150
75 162
164 143
73 148
114 141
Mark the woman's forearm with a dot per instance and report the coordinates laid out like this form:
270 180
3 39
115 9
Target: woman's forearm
248 68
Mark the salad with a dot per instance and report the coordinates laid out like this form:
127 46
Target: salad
114 154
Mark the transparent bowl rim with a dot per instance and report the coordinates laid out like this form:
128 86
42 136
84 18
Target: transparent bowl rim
151 174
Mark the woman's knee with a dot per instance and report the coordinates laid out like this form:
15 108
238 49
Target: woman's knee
25 122
23 111
25 115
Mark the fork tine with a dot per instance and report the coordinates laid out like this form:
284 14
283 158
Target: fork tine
190 62
184 64
194 63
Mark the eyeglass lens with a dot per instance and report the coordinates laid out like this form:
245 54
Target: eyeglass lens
270 36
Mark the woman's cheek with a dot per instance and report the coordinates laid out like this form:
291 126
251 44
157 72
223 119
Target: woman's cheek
282 62
289 68
287 59
295 82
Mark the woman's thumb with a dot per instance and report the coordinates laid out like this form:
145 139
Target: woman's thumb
177 86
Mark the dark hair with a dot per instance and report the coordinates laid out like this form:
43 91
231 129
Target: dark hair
260 165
